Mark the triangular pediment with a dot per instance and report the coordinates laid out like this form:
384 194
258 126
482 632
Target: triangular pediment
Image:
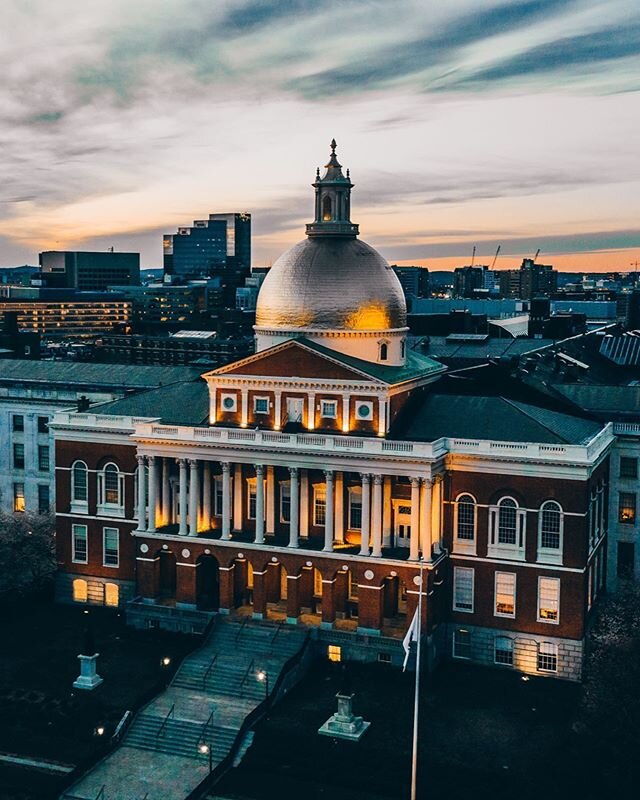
293 359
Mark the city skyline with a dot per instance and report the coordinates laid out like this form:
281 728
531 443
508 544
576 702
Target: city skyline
513 125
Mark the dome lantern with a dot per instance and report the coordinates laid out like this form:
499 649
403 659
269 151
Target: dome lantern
333 201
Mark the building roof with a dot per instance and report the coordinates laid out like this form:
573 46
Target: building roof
603 399
470 350
494 418
514 326
179 404
80 373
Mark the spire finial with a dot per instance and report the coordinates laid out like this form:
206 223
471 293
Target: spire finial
333 147
317 173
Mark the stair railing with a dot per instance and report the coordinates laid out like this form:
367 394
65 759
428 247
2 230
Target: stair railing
242 624
164 721
202 739
246 675
100 795
279 627
209 669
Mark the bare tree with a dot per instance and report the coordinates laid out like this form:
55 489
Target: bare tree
27 552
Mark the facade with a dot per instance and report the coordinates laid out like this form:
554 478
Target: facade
414 281
184 347
89 272
31 392
531 280
314 480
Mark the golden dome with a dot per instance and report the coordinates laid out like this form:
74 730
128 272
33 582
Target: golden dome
331 283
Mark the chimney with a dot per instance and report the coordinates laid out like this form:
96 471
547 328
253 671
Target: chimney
83 403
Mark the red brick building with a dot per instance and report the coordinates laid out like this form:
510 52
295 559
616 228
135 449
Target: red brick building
306 482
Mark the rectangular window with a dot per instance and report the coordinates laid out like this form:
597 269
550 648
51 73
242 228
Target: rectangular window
44 504
18 455
329 409
18 497
261 405
285 502
217 497
463 589
251 500
319 508
355 510
547 657
505 594
43 457
548 599
111 548
79 544
628 467
334 652
503 650
43 424
461 643
627 508
17 423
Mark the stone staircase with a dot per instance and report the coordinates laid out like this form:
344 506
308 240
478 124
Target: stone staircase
195 723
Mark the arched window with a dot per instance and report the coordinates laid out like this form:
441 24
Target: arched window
507 521
80 592
111 594
466 518
384 351
403 348
550 525
111 488
326 209
79 487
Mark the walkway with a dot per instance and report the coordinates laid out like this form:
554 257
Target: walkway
191 727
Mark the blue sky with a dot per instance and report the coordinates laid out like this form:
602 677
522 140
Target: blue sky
463 123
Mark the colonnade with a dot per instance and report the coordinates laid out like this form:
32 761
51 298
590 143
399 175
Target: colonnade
195 510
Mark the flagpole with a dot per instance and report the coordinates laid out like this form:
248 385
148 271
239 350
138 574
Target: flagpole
414 757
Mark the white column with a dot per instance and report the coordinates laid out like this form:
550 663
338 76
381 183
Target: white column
425 519
153 494
213 412
183 496
376 515
345 413
166 493
366 515
294 500
277 411
382 416
226 500
304 504
244 405
386 512
271 501
142 495
436 516
414 541
311 412
329 512
194 491
339 501
259 538
237 498
206 495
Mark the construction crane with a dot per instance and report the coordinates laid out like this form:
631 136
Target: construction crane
473 256
495 258
535 258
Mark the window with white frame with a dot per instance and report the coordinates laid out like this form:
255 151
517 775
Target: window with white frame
355 508
507 521
111 547
547 657
329 409
229 402
461 643
550 525
111 488
465 513
505 594
548 599
217 495
507 527
285 501
79 546
364 410
319 505
383 351
251 498
463 589
503 650
260 405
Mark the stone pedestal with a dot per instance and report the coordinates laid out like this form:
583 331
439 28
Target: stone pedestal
88 678
344 724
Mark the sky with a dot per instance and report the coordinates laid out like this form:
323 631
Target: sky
463 122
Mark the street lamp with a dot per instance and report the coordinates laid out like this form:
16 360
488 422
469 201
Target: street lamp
205 749
165 661
263 677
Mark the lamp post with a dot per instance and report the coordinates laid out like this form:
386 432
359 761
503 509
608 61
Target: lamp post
205 750
263 676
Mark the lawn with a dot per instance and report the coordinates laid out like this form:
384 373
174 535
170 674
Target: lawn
42 715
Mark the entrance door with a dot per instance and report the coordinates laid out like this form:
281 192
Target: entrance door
402 525
295 407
